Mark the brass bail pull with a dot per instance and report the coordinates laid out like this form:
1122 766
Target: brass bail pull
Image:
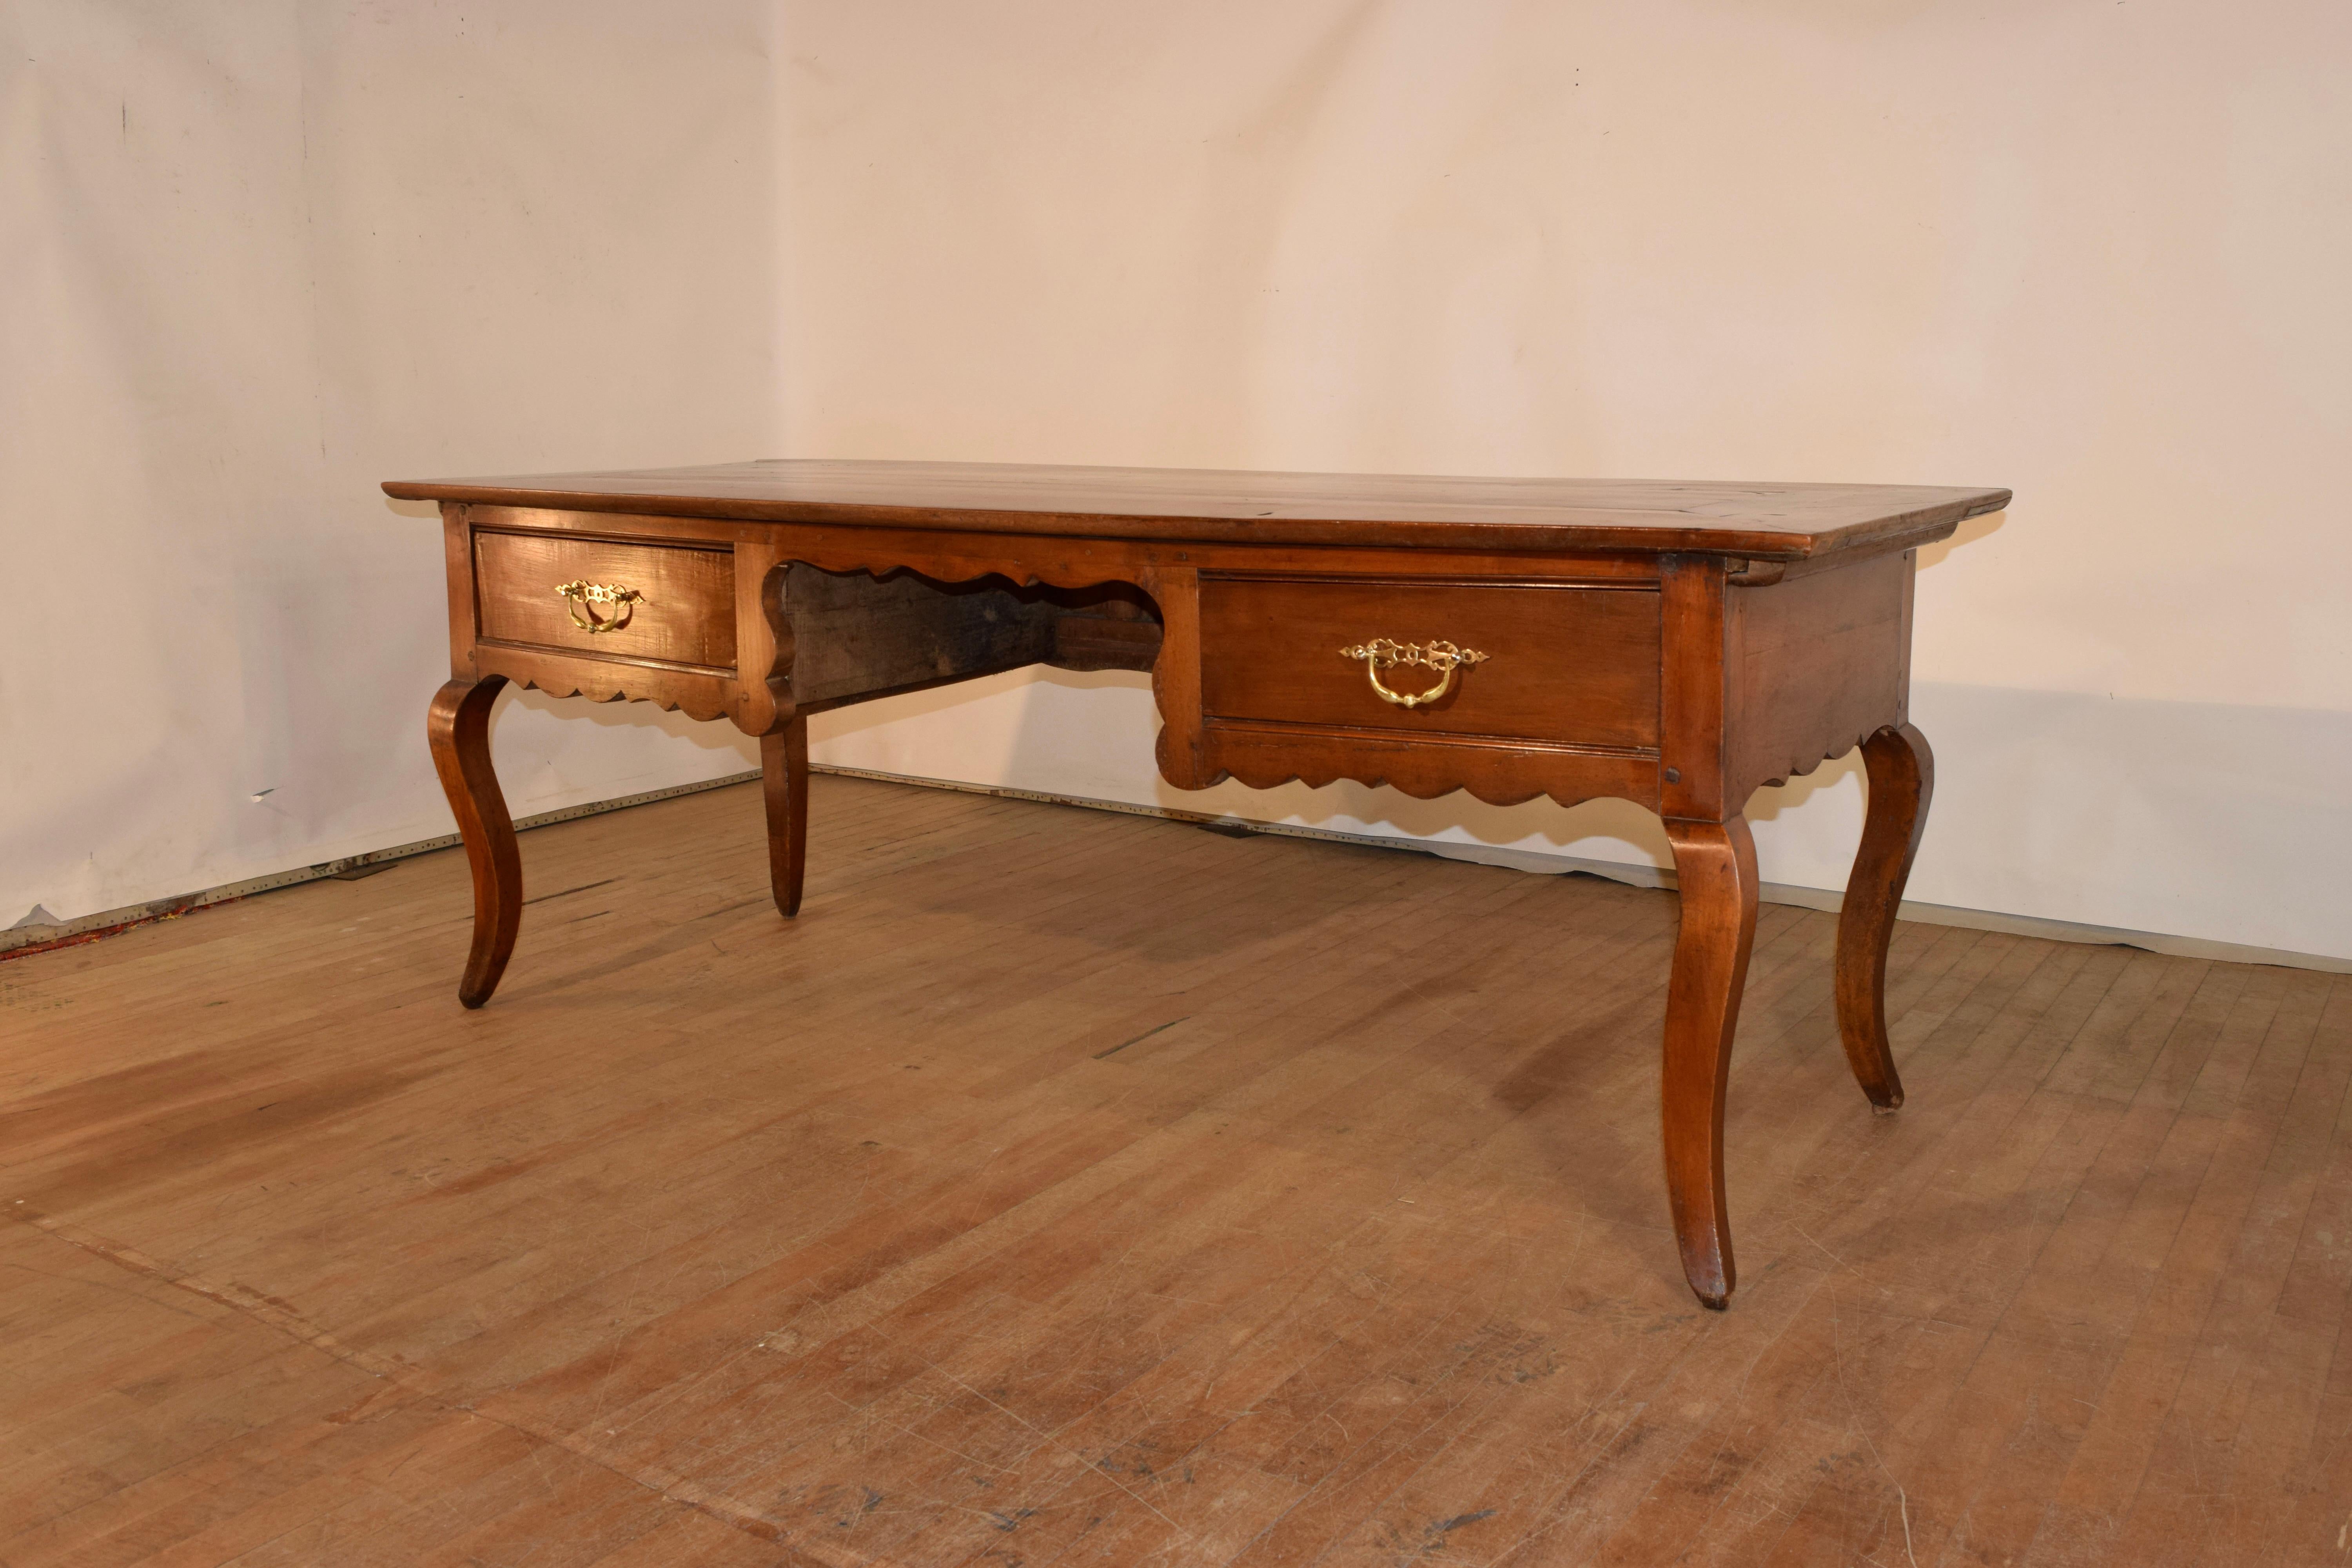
1442 656
583 596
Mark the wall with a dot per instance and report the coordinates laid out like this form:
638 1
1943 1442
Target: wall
256 258
2093 252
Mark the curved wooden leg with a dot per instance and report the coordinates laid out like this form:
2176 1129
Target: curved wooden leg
1902 779
1716 863
784 774
459 729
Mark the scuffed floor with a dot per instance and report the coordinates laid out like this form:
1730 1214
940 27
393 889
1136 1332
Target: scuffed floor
1066 1187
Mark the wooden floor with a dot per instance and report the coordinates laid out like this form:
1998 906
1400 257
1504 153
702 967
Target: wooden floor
1067 1187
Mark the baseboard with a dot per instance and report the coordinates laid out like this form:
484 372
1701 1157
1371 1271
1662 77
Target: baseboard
1653 877
24 940
20 941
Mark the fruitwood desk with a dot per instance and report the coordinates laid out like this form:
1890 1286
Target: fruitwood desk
1672 645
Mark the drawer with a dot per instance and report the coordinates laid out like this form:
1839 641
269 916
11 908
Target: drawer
684 612
1571 664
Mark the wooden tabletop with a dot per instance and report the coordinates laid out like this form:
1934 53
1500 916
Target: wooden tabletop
1761 521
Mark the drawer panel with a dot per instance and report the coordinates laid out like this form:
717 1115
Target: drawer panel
1568 665
686 614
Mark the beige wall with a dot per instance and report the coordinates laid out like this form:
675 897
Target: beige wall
2093 252
255 259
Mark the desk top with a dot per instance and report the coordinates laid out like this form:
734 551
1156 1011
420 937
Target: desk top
1762 521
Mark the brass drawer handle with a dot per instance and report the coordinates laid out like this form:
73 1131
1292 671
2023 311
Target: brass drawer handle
581 595
1443 657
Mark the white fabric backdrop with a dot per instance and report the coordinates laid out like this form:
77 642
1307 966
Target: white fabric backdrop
255 258
2092 252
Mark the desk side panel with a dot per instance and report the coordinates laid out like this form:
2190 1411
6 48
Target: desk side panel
1819 664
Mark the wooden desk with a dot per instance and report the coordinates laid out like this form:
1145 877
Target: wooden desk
1674 645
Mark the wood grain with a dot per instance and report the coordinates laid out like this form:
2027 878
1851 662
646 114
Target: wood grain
1901 771
457 731
1819 662
1764 521
687 614
1626 651
856 636
1254 1201
784 787
1568 664
1714 866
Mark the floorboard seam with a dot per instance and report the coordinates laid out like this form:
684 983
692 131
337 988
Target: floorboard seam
277 1316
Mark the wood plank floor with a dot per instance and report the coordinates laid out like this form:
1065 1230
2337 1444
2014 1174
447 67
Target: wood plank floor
1066 1187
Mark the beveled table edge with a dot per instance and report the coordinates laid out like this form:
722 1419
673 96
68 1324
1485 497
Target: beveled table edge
1900 531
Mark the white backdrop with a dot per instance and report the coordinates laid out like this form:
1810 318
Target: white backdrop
2093 252
256 258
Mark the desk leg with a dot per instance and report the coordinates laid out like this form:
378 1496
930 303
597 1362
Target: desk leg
1716 863
459 726
1902 780
783 776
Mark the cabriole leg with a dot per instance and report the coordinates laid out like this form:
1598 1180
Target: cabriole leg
459 726
783 772
1902 773
1715 864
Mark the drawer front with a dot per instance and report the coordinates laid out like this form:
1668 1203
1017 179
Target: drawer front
1572 666
685 612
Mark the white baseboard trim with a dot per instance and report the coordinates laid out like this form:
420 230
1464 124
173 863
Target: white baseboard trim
24 938
1653 877
19 940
